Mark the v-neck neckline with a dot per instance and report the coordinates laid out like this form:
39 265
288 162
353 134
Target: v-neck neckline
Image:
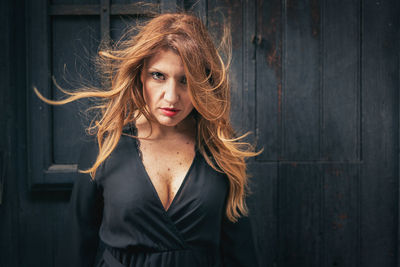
147 177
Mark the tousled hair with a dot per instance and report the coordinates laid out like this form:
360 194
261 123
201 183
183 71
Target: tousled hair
207 79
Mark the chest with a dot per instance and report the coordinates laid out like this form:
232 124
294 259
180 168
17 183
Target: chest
167 164
130 194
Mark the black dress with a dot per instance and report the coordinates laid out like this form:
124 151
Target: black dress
122 208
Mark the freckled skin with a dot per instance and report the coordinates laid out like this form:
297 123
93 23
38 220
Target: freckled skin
168 134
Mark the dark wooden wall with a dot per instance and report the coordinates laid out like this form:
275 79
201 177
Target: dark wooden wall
316 81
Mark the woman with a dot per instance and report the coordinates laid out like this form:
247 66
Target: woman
165 182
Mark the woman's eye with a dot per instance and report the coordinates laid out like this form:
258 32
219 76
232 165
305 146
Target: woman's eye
157 75
183 81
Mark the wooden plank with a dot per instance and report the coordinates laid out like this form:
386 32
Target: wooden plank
341 101
92 9
134 9
72 2
11 52
119 25
341 215
39 121
263 211
43 139
74 42
379 176
105 22
299 214
36 217
61 213
68 10
248 70
240 17
300 93
268 41
40 227
168 6
200 8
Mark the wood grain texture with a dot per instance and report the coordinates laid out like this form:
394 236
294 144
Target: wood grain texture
10 23
38 53
263 211
340 85
340 214
75 43
269 94
317 80
379 175
299 214
302 74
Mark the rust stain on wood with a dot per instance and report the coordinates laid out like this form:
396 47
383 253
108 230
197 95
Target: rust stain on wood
337 225
293 9
270 41
315 17
335 171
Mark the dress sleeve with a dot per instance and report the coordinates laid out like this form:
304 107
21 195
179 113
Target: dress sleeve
237 244
85 214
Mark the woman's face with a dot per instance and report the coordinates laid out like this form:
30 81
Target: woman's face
164 88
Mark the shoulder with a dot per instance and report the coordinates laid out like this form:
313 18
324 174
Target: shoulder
220 179
122 155
90 149
126 144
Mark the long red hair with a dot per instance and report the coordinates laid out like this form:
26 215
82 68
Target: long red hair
208 83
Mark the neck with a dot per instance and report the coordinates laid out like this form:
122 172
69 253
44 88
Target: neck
155 131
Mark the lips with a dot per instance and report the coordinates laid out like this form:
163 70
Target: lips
170 112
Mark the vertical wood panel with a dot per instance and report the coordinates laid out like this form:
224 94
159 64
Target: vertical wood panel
11 52
119 25
379 180
36 231
105 22
200 8
58 2
232 13
248 86
269 78
133 1
168 5
299 214
38 64
341 215
309 215
263 206
301 96
241 18
341 98
75 42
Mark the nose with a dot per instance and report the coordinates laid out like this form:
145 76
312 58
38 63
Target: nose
171 93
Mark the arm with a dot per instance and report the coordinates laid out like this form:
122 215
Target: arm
84 216
237 244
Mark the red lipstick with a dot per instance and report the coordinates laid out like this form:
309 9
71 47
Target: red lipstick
170 112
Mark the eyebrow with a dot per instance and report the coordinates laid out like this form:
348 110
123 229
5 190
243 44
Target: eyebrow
154 69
